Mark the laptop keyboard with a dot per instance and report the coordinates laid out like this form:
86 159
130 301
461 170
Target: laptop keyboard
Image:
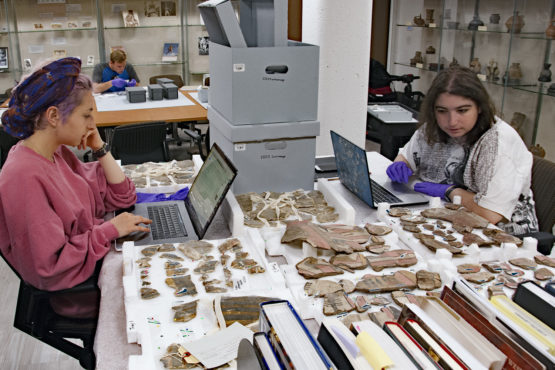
166 222
381 195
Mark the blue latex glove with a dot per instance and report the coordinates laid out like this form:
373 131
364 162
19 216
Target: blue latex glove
118 82
132 83
179 195
432 189
160 197
399 172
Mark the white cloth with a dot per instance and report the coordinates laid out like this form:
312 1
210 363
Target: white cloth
498 168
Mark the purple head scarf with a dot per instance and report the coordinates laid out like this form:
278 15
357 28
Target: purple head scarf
46 87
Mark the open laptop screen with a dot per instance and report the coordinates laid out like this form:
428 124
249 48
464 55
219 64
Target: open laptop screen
209 189
352 167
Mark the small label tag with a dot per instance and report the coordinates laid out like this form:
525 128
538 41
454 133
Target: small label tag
482 28
239 67
240 147
482 77
419 65
432 25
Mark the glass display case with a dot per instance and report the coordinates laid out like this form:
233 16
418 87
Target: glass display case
505 42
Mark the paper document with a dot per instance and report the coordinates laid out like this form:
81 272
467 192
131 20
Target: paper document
221 347
114 102
372 351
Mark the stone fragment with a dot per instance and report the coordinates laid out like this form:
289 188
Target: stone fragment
462 229
378 230
509 270
313 268
257 269
393 258
376 240
544 260
347 285
543 273
470 238
461 216
455 244
206 267
169 264
228 244
467 268
166 247
320 237
421 236
378 248
401 298
525 263
428 227
176 271
241 262
338 302
379 300
389 313
499 236
400 280
185 312
354 261
149 293
183 285
415 219
507 281
195 249
478 277
173 359
494 290
320 288
171 256
493 267
143 262
361 303
434 245
412 228
399 211
427 280
149 251
242 309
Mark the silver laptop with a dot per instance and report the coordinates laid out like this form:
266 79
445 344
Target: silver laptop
352 169
189 219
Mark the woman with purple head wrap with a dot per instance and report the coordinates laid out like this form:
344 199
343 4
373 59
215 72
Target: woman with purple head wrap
52 205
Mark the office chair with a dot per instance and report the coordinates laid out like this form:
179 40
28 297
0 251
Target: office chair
177 80
6 142
139 143
543 178
35 316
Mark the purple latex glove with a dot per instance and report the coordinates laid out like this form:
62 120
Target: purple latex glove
118 82
432 189
132 83
399 172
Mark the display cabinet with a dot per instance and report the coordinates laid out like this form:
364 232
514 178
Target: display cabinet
7 75
505 42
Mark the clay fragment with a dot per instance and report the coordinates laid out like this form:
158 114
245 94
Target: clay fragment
361 303
467 268
400 280
449 238
434 245
452 206
511 271
399 211
389 313
543 273
228 244
507 281
455 244
242 309
166 247
525 263
493 267
377 230
478 277
378 248
427 280
176 271
242 263
412 228
470 238
206 267
143 262
499 236
402 298
421 236
322 237
376 240
494 290
257 269
354 261
428 227
435 294
462 229
149 251
460 216
393 258
183 285
347 285
194 249
353 233
185 312
320 288
440 233
379 300
338 302
169 264
149 293
415 219
171 256
173 359
544 260
313 268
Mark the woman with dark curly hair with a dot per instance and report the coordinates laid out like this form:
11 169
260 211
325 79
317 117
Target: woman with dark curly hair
462 148
52 205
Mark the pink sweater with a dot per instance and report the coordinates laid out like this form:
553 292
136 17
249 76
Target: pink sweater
51 216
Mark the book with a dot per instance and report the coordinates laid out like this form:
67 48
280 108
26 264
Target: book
169 54
265 352
534 299
340 344
295 346
410 346
517 357
378 348
437 351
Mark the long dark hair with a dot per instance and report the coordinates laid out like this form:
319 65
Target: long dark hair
461 81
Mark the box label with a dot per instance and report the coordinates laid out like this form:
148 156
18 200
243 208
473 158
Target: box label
239 67
240 147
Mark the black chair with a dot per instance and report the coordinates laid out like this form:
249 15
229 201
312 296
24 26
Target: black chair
177 80
139 143
6 142
35 316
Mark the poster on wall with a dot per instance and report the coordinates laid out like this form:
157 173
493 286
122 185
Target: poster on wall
152 8
203 45
4 58
168 8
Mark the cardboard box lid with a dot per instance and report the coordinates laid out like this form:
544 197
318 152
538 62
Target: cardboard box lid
264 22
221 23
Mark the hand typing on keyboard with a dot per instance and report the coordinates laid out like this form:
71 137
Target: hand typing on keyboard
127 223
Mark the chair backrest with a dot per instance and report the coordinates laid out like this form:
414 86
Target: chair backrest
6 142
177 80
543 187
139 143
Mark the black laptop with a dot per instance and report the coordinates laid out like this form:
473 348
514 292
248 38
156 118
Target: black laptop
352 169
189 219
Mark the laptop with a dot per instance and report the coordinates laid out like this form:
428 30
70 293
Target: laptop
352 169
181 220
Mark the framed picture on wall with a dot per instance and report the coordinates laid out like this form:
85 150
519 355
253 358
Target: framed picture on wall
4 58
169 53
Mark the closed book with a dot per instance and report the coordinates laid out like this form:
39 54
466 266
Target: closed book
517 357
265 352
293 343
534 299
410 346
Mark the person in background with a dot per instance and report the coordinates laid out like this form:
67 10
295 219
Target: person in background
52 205
115 75
461 148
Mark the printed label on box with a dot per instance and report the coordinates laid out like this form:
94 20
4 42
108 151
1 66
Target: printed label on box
240 147
239 67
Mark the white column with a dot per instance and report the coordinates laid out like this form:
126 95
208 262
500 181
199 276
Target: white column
342 30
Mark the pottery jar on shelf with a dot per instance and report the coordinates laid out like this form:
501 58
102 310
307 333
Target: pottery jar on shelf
550 31
516 25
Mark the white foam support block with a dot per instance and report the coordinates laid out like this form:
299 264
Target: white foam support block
510 251
342 207
530 244
382 211
435 202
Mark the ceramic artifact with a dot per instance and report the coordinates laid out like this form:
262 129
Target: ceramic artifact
537 150
551 90
478 277
494 18
378 230
401 298
353 261
362 303
499 236
244 310
338 302
319 288
454 62
515 24
475 65
429 16
550 31
475 23
545 260
517 122
313 268
417 59
428 280
419 21
545 74
492 71
467 268
185 312
393 258
543 273
400 280
525 263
